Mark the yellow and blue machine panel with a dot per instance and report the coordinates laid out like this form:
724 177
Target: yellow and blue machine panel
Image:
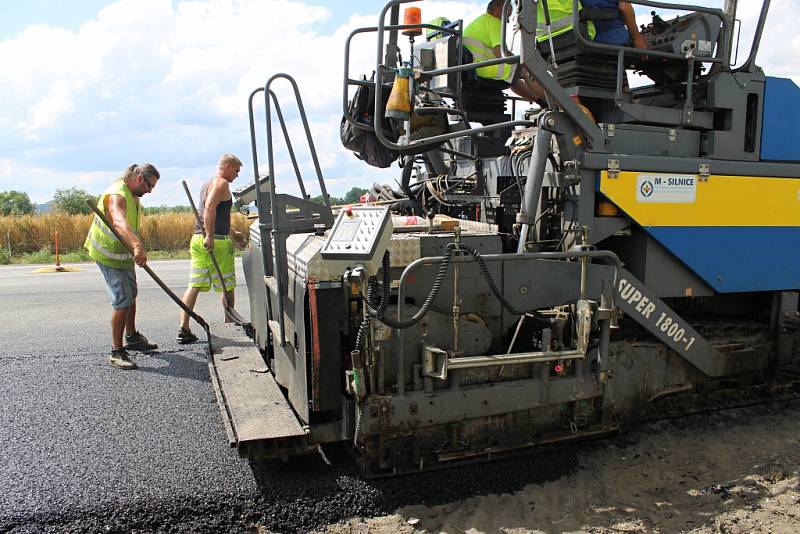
738 233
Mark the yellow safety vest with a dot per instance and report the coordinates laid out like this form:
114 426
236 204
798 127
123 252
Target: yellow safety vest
480 37
102 244
560 19
431 34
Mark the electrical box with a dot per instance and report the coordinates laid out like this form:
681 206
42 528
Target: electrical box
438 54
359 236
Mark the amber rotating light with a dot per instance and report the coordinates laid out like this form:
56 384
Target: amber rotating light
412 15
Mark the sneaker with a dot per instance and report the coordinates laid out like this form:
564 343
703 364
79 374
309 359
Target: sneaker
120 359
138 342
185 336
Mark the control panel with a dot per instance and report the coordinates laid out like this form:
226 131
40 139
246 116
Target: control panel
693 34
359 236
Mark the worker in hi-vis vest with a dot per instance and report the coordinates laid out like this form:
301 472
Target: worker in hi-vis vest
621 30
482 38
561 20
120 204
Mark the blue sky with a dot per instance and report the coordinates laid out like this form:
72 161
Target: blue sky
91 86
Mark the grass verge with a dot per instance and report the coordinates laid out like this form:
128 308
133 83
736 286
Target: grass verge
46 257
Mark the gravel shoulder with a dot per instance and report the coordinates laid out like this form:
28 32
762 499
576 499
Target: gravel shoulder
733 471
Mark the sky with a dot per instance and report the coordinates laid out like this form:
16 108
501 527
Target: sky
92 86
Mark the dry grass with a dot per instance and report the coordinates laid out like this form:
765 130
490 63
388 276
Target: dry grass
30 233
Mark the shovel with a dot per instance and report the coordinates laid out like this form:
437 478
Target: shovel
153 275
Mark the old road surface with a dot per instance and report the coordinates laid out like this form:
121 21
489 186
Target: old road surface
85 447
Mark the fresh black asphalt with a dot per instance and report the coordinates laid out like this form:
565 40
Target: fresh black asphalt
85 447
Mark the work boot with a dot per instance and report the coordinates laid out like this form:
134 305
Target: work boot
120 359
137 341
185 336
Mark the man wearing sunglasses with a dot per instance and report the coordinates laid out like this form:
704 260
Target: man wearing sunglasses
120 203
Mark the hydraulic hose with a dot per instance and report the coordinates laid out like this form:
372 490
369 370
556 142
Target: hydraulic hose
357 429
373 309
437 285
490 281
497 293
378 311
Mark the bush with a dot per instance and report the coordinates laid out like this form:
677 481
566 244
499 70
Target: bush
5 259
72 201
43 255
15 203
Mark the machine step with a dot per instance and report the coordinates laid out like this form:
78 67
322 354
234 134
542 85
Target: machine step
253 407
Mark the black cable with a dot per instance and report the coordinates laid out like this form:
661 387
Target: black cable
572 220
497 293
437 285
408 188
378 312
362 328
374 302
387 280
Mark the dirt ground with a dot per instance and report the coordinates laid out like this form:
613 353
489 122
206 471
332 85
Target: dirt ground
734 472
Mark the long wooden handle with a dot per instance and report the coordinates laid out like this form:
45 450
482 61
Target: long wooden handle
149 271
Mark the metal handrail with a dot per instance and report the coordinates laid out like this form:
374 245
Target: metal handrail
277 231
306 128
750 63
262 201
348 81
286 138
654 53
416 145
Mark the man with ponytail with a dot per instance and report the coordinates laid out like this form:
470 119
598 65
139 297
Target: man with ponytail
120 204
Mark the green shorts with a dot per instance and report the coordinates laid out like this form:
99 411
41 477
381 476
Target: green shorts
203 272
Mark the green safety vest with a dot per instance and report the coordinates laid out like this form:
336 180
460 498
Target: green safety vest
560 19
480 37
102 244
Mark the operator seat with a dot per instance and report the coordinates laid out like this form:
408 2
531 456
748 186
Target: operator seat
579 65
483 100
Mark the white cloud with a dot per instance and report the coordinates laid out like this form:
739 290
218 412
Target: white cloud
167 83
47 112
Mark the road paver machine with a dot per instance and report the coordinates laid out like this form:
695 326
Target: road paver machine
534 276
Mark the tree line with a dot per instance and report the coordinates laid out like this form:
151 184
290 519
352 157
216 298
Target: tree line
69 201
72 201
351 197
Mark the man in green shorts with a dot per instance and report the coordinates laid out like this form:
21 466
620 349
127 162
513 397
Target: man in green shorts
120 204
214 234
